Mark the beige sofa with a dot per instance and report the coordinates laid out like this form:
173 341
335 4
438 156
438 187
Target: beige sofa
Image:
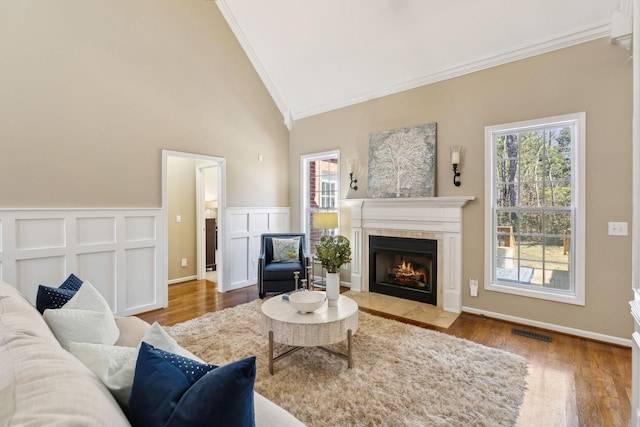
43 384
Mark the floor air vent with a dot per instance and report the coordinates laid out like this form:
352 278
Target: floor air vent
531 335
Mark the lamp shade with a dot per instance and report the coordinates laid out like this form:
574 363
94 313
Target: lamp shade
325 220
211 204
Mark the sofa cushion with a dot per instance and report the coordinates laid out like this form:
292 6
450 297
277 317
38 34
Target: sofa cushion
52 298
171 390
132 329
268 414
87 317
17 314
115 365
281 271
41 384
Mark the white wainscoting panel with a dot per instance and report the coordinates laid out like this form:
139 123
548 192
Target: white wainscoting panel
261 220
96 231
101 266
140 292
40 233
242 242
240 248
37 270
118 250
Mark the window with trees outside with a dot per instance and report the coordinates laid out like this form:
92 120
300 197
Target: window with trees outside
535 218
320 192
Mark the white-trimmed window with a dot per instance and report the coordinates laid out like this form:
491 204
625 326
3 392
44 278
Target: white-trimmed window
320 192
535 208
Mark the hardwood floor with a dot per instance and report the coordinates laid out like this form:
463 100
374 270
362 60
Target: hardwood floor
587 382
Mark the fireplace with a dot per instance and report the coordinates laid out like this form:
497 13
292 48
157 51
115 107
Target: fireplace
404 267
437 218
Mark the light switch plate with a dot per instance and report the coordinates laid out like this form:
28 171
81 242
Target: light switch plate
618 229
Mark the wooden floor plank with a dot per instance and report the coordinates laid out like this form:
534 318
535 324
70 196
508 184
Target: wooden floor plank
599 373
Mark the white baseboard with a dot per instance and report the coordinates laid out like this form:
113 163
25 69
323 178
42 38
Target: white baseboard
182 279
550 326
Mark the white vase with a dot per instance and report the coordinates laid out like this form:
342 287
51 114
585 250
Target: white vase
333 288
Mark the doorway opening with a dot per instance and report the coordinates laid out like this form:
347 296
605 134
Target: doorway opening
192 192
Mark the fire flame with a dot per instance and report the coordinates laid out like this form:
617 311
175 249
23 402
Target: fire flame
405 269
406 272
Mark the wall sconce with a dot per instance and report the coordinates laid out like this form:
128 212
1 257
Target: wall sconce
353 181
353 167
455 161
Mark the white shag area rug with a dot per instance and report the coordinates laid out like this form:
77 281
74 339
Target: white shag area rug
403 375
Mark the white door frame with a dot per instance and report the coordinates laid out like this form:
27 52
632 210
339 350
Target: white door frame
222 203
201 254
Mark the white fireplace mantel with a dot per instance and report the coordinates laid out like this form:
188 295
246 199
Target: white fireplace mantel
441 216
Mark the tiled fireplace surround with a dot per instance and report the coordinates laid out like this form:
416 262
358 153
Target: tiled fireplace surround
438 218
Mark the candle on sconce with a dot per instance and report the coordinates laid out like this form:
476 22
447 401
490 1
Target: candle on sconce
455 161
351 165
455 155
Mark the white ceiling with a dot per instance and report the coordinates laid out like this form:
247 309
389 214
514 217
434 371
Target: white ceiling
316 56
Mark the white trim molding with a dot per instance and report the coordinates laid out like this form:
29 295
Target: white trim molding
621 24
288 118
577 210
550 326
581 36
438 218
120 251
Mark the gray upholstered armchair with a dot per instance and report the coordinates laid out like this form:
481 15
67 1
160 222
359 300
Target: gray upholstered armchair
281 254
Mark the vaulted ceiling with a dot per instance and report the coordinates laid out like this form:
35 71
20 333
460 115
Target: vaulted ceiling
316 56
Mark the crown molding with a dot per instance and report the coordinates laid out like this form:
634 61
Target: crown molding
253 58
575 38
621 24
601 30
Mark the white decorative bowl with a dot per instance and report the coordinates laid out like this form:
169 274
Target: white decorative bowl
306 301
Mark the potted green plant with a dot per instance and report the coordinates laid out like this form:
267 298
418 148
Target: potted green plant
333 252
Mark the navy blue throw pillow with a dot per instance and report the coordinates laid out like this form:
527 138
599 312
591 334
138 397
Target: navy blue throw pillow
72 283
170 390
52 298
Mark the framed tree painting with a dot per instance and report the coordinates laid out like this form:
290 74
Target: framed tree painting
402 162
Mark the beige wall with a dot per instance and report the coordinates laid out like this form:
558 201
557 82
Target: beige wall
181 200
593 77
92 91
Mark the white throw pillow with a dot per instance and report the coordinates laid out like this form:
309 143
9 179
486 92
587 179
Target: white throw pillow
159 338
87 298
86 318
115 365
112 364
286 250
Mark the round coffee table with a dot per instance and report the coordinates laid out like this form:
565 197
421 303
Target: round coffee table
327 325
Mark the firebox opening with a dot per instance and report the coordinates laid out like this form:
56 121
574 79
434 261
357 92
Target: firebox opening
403 267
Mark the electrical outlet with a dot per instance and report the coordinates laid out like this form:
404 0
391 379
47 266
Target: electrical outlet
183 262
473 287
178 218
